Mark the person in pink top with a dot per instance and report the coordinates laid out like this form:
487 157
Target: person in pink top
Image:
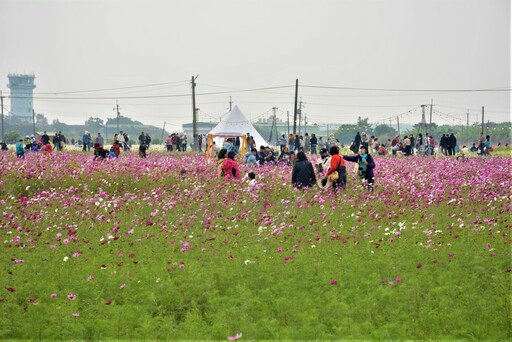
230 167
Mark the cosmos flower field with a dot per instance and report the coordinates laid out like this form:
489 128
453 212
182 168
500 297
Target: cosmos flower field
158 248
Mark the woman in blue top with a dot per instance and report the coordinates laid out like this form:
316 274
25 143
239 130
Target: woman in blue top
366 165
20 149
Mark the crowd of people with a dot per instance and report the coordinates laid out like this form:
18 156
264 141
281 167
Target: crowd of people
329 171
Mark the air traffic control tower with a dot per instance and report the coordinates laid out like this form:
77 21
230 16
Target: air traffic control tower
22 87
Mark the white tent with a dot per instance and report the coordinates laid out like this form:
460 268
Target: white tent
235 122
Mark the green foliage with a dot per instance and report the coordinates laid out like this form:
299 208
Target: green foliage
12 137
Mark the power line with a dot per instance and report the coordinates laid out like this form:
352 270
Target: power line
108 89
408 90
147 96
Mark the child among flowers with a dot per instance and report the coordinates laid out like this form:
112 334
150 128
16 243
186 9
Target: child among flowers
365 165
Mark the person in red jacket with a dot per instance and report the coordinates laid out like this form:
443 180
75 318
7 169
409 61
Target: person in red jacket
230 167
116 148
338 165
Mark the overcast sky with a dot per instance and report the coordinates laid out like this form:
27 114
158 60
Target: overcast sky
144 53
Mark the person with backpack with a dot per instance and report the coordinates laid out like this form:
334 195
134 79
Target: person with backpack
147 140
366 165
337 173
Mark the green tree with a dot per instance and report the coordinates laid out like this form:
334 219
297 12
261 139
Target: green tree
384 132
12 137
364 126
94 122
41 120
346 133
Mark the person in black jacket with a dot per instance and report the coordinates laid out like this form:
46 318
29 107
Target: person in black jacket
303 175
452 142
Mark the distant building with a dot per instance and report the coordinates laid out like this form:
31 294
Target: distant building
202 128
22 87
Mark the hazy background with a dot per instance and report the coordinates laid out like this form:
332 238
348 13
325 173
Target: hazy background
82 52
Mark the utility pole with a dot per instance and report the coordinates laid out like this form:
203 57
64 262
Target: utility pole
163 132
230 103
273 129
34 121
430 122
295 107
117 113
2 106
423 121
467 123
398 125
300 114
482 119
288 123
305 124
194 114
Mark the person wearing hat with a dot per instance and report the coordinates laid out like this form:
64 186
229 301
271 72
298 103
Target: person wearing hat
322 166
324 162
85 141
28 143
230 167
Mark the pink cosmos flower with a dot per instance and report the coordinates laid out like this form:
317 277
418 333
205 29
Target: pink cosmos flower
182 265
122 286
71 296
236 337
279 249
203 249
65 241
91 277
398 280
33 299
419 265
53 295
76 314
334 282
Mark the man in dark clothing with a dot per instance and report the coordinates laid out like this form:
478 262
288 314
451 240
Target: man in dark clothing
451 142
45 138
357 141
303 175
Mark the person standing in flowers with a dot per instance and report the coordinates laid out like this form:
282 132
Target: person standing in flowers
365 166
230 167
337 173
20 149
322 166
221 158
303 175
